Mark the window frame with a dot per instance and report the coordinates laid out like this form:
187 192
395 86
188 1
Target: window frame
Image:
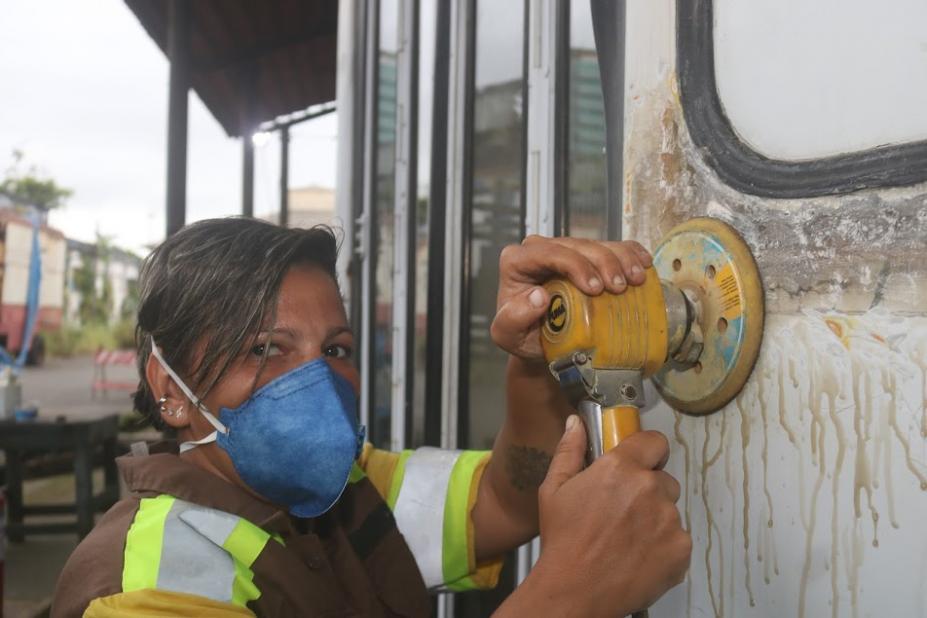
365 219
609 26
437 221
461 604
748 171
463 348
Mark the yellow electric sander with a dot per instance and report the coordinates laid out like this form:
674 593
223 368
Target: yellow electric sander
694 328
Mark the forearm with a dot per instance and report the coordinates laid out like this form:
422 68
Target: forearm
547 592
506 512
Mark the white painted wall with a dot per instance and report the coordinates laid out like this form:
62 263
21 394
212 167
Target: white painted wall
17 255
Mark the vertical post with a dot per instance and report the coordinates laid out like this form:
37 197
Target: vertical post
284 176
609 27
249 87
14 496
83 483
110 472
247 172
178 51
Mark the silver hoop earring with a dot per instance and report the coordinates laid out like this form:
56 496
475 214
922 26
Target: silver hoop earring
161 403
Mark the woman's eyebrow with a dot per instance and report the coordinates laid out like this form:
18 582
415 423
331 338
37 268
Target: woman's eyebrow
288 332
334 332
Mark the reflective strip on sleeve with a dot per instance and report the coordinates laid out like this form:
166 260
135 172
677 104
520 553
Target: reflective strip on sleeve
142 553
459 559
180 547
420 506
357 474
398 476
245 543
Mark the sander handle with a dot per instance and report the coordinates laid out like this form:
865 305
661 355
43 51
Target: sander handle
619 422
615 424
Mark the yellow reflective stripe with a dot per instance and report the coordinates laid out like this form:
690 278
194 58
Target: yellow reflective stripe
379 467
486 574
142 555
243 587
398 475
458 555
356 474
245 543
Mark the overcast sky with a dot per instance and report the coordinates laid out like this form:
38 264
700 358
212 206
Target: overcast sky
83 93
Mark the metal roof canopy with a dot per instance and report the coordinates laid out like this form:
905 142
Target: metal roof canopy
250 62
253 61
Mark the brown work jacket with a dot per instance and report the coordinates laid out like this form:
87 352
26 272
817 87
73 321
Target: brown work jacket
352 561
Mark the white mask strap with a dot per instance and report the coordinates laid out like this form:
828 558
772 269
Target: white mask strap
186 446
216 423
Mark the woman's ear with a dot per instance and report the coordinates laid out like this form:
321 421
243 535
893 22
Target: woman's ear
174 406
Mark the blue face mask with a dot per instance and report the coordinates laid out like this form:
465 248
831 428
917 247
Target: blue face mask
294 440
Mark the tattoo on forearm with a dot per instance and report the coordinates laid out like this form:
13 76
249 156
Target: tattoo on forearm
526 467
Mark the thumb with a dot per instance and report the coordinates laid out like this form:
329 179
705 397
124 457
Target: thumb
571 452
518 316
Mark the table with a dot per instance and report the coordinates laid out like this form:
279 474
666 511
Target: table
84 439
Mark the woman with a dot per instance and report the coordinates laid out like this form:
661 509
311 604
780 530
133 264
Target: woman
272 505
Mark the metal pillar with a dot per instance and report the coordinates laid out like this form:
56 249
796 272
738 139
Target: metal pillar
249 125
247 173
284 175
178 51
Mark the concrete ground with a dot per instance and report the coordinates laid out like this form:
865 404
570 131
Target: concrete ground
60 388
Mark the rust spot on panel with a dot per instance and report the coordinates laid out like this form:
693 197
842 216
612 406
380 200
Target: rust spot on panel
848 253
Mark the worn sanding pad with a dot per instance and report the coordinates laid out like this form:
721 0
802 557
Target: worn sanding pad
711 262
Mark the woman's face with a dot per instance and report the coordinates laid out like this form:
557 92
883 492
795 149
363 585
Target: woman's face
310 323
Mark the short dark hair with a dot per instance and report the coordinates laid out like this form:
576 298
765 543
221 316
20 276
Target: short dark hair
216 281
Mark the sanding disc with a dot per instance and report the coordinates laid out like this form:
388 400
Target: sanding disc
711 262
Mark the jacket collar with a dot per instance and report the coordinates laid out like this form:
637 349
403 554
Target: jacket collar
163 471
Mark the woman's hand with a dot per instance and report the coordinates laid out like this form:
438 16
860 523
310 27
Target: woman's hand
611 538
592 266
506 511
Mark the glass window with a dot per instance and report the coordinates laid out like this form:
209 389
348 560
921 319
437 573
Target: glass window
496 202
496 219
586 163
802 80
383 230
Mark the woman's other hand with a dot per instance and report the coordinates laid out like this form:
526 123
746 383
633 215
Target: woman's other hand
611 537
592 266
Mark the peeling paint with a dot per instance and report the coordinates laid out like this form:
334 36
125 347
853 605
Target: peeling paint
846 253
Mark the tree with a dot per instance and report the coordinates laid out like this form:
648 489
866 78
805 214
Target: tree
130 303
96 306
30 188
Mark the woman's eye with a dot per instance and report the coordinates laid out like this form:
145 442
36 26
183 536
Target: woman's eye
338 351
258 350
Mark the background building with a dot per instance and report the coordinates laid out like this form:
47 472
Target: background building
114 270
308 206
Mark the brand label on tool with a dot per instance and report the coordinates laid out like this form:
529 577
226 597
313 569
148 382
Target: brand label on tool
730 293
556 314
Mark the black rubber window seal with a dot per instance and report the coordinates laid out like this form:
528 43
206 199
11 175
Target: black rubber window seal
745 169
